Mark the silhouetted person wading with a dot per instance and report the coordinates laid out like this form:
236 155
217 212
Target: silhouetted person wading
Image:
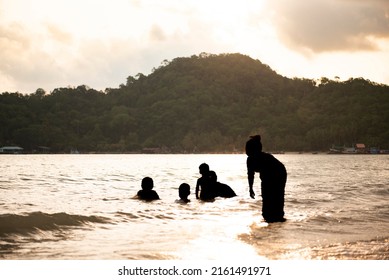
204 186
273 176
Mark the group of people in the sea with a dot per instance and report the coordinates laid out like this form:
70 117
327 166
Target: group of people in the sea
271 171
207 188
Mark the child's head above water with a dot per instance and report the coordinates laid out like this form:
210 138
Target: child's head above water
184 191
147 184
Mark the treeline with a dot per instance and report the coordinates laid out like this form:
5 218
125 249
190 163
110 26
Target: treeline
205 103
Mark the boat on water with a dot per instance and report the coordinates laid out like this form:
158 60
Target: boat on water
337 149
349 150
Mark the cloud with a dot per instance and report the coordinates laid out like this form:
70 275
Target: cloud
33 57
99 47
57 34
49 44
157 33
331 25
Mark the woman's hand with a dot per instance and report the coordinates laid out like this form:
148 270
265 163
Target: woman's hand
252 193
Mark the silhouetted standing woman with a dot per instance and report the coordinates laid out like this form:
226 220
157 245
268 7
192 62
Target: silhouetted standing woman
273 176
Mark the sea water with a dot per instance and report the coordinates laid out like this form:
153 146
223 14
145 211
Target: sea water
83 207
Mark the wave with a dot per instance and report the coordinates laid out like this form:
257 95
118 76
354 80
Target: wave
374 249
26 224
130 216
145 216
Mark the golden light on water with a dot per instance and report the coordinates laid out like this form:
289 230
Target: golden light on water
218 239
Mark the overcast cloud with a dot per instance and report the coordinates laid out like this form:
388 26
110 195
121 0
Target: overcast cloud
49 44
331 25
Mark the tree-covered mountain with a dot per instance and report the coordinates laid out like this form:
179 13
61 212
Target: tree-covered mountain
205 103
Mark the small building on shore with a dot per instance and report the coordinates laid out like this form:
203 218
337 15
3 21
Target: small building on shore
11 150
361 148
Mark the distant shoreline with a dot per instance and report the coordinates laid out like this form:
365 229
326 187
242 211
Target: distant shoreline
200 153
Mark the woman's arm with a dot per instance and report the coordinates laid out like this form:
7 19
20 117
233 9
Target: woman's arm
250 178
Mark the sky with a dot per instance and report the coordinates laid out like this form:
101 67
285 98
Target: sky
50 44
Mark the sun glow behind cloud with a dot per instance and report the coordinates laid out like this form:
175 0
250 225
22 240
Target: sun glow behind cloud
58 43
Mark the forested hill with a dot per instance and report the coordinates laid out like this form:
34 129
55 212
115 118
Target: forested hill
205 103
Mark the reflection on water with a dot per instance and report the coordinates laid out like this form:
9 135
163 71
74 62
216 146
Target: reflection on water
82 207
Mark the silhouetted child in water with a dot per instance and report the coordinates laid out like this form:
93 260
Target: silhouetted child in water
204 189
147 192
183 192
273 176
220 189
